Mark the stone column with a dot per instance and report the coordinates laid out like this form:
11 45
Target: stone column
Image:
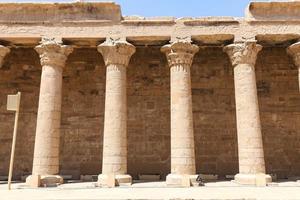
53 56
180 57
294 51
116 56
3 52
250 144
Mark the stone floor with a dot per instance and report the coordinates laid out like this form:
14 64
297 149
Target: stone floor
286 190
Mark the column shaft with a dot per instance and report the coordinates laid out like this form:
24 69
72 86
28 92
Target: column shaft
116 56
46 150
115 124
182 134
53 56
180 57
251 154
250 144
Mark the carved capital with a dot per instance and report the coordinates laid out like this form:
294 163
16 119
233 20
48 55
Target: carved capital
3 52
243 53
294 51
53 53
180 53
116 52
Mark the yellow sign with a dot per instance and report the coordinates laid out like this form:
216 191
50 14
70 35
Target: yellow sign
13 102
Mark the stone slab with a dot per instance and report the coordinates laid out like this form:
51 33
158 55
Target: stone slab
33 181
185 181
106 180
49 12
89 178
273 11
177 180
111 182
208 176
3 178
229 176
67 177
261 180
252 179
44 180
149 177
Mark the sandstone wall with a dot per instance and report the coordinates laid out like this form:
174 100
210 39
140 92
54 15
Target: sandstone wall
148 112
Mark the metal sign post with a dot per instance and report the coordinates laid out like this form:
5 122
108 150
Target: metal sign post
13 104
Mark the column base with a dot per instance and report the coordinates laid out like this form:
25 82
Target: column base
106 180
253 179
44 180
181 180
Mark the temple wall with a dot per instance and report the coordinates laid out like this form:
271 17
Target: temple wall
149 112
279 105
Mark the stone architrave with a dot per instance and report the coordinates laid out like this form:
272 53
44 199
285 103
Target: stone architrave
53 56
294 51
250 144
180 57
3 52
116 56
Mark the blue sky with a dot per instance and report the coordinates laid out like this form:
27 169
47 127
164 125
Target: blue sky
177 8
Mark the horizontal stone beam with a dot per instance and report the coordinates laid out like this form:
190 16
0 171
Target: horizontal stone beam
88 24
58 12
153 40
273 11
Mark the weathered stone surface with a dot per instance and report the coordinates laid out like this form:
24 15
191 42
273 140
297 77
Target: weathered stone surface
49 12
136 20
180 57
148 79
250 144
34 181
46 151
101 20
210 21
116 56
273 11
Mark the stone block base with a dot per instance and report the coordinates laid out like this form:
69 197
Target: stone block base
105 180
180 180
44 180
253 179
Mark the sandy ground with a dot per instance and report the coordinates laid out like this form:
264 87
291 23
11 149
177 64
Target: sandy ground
153 190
